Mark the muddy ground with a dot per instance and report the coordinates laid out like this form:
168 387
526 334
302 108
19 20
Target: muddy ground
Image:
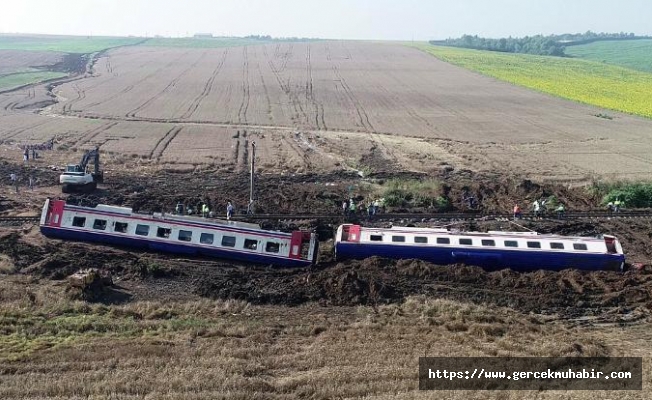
143 275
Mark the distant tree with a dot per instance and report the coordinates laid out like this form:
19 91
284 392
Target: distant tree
553 45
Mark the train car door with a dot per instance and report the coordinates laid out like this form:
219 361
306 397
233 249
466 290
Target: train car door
304 246
55 213
351 233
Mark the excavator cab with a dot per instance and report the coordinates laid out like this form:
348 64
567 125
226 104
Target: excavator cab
72 168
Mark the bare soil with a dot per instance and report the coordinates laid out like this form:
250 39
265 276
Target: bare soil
318 107
143 275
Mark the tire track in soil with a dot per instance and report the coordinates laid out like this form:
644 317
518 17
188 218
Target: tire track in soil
285 86
138 82
163 144
244 105
241 152
208 87
362 114
93 133
270 115
311 102
81 94
11 105
132 113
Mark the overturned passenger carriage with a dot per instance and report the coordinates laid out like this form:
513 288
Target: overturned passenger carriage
521 251
178 234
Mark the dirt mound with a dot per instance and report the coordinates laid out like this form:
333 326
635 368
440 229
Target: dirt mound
370 282
375 281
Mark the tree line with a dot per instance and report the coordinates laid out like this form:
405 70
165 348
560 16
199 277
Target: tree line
552 45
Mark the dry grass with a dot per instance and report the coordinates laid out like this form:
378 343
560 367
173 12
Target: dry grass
56 348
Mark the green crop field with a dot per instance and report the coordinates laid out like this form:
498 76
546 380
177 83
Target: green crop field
65 44
635 54
202 42
585 81
23 78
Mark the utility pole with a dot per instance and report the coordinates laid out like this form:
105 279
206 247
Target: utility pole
250 207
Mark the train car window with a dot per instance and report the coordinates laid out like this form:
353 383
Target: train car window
466 241
580 246
272 247
163 232
420 239
511 243
206 238
120 227
398 239
443 241
142 230
556 245
99 224
534 245
251 244
228 241
79 221
376 238
488 242
185 236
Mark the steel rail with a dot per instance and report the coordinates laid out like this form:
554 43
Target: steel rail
450 216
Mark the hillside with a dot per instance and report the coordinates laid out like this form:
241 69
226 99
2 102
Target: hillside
634 54
585 81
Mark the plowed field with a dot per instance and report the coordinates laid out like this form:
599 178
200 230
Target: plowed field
322 107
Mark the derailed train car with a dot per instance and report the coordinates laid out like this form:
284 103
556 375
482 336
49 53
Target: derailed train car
178 234
520 251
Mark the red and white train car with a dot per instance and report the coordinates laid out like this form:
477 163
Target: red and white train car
178 234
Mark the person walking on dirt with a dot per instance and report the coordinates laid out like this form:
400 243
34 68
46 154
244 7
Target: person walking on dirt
14 181
204 210
617 205
229 210
517 212
560 211
31 182
345 207
26 155
536 208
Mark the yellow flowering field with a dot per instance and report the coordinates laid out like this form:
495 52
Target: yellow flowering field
589 82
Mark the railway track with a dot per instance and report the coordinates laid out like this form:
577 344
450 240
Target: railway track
18 221
468 216
451 216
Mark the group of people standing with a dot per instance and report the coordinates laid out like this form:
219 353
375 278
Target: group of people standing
615 206
203 209
371 208
540 209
